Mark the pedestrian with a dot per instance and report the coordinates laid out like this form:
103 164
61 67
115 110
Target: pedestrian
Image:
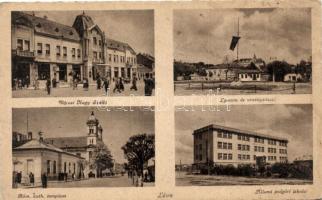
121 84
98 81
19 177
148 86
54 82
75 82
85 84
140 180
117 85
134 84
32 178
44 180
48 86
106 85
36 83
27 81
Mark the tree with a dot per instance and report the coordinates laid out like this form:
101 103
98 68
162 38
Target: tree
278 69
138 150
101 159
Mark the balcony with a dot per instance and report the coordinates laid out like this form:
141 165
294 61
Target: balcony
23 53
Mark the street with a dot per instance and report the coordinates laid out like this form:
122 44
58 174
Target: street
183 179
79 92
112 181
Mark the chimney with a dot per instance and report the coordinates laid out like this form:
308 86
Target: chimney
29 136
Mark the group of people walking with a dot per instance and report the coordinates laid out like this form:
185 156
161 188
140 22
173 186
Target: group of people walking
137 178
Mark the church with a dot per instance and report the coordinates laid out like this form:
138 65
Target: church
58 155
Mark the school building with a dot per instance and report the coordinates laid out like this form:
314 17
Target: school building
224 145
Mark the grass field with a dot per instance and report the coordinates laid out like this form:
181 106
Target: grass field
184 179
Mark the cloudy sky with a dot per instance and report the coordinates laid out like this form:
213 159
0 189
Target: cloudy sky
118 126
135 27
293 122
205 35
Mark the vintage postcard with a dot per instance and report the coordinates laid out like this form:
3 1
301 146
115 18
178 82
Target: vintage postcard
161 100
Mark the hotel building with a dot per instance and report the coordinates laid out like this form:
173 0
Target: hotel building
223 146
43 49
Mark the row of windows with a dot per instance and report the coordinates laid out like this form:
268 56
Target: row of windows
282 158
259 140
271 142
224 145
23 45
121 59
97 55
259 149
284 144
225 135
251 75
271 150
52 167
95 41
225 156
243 147
58 50
271 158
283 151
243 157
243 137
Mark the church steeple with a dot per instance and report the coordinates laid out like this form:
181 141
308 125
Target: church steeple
93 129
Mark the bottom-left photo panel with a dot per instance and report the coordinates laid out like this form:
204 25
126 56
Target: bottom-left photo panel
83 147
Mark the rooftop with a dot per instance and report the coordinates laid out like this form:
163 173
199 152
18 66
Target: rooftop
235 130
67 142
37 144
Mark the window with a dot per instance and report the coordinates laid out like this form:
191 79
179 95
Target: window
78 53
243 147
225 145
110 57
100 42
225 135
74 166
230 136
239 137
244 157
73 52
254 157
114 58
39 48
219 145
248 157
95 54
225 156
20 44
58 50
219 134
230 156
91 130
27 45
94 40
48 166
219 156
239 157
47 49
230 146
65 51
239 147
69 171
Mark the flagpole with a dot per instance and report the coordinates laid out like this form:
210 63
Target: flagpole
237 36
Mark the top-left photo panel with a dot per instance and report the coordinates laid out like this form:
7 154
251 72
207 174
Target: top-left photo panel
82 53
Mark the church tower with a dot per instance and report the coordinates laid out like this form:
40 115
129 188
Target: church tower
93 129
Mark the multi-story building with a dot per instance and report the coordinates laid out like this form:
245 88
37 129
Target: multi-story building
43 49
223 146
145 64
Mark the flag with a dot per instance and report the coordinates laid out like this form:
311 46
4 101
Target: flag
234 42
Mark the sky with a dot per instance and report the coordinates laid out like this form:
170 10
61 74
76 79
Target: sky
205 35
117 125
293 122
135 27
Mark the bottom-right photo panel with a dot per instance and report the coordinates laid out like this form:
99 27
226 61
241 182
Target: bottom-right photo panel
244 145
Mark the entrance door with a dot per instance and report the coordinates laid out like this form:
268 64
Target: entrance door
77 72
254 77
62 72
30 166
129 72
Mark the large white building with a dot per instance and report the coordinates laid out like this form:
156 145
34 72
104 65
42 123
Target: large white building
54 156
43 49
223 146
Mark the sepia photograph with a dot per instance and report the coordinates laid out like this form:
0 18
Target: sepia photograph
82 53
242 51
244 145
83 147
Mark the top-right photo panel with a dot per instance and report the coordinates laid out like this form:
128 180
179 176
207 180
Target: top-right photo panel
242 51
